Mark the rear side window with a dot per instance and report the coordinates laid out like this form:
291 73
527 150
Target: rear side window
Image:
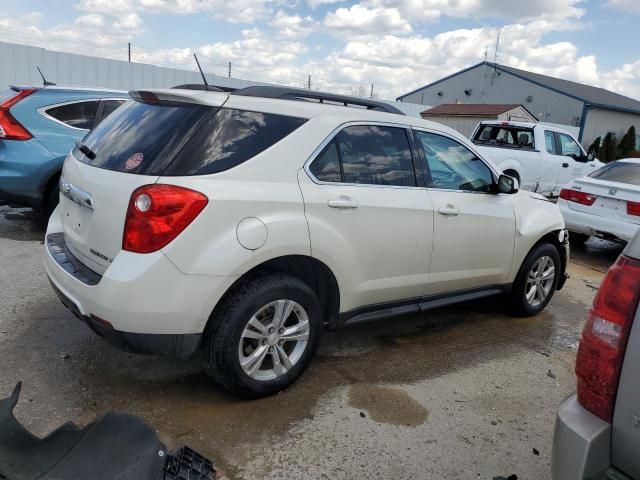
77 114
181 139
504 136
367 154
230 138
622 172
550 142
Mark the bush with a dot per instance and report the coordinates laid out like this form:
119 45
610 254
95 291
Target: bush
595 146
627 143
608 149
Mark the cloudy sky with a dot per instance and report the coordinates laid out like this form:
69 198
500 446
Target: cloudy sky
397 45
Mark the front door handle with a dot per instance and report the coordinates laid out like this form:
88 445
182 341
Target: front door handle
344 203
565 165
449 211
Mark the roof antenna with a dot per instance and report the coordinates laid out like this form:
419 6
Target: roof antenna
44 80
204 80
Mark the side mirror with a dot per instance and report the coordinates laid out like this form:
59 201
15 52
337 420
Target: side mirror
507 184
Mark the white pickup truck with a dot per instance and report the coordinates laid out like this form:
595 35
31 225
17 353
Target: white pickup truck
541 157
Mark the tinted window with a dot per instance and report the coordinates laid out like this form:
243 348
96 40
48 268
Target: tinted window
550 142
108 106
376 155
504 136
181 138
623 172
230 138
78 114
453 166
326 166
569 146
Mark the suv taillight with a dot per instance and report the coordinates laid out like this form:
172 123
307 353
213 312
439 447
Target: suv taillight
578 197
10 128
157 214
604 338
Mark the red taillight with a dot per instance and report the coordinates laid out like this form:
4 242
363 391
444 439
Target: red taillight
157 214
10 128
633 208
604 338
578 197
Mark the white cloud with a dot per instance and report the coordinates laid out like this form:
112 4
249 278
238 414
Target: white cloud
624 80
128 21
238 11
291 26
430 10
362 20
626 5
317 3
90 20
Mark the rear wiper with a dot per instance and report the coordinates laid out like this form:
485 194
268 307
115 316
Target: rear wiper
86 150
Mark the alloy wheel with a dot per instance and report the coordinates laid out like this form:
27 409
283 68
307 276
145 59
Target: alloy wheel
540 281
273 340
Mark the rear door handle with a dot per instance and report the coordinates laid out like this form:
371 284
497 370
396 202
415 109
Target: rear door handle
344 203
565 165
449 211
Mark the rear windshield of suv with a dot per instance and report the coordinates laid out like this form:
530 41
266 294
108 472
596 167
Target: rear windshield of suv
619 171
504 136
178 139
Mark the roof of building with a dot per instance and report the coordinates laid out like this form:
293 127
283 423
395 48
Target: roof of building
590 95
471 109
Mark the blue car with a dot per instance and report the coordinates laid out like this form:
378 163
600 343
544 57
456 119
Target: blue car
38 128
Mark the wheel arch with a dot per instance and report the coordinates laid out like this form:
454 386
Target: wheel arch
552 237
316 274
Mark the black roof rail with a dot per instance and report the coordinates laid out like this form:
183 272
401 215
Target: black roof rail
288 93
200 86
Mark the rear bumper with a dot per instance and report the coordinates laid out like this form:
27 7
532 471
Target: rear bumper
588 224
581 443
25 169
141 303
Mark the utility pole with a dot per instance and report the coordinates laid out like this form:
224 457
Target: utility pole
229 69
309 83
129 52
371 94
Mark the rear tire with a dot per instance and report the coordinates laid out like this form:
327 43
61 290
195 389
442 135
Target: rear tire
274 319
536 281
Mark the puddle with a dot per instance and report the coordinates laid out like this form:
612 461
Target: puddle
388 405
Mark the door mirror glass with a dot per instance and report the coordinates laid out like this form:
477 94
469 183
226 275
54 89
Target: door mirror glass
591 157
507 184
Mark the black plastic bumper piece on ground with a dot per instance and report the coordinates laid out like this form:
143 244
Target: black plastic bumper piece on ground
188 464
180 346
63 257
115 446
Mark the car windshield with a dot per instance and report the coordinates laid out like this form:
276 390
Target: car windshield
621 172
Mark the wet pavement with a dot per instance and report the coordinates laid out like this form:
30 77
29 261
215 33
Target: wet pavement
463 392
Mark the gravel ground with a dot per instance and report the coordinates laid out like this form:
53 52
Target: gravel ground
461 393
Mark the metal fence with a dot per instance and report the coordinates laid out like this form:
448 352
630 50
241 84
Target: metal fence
18 67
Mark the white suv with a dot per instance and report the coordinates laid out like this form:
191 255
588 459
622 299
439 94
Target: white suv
239 225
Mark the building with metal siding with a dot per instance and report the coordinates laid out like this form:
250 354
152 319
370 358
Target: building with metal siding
595 111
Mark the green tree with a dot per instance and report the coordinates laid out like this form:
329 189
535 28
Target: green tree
627 143
595 146
608 149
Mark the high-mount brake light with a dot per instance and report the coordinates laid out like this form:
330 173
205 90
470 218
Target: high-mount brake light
10 128
157 214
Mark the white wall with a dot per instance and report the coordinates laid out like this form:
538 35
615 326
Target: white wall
18 67
600 122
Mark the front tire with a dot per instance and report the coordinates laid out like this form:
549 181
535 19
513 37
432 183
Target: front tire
536 281
264 335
